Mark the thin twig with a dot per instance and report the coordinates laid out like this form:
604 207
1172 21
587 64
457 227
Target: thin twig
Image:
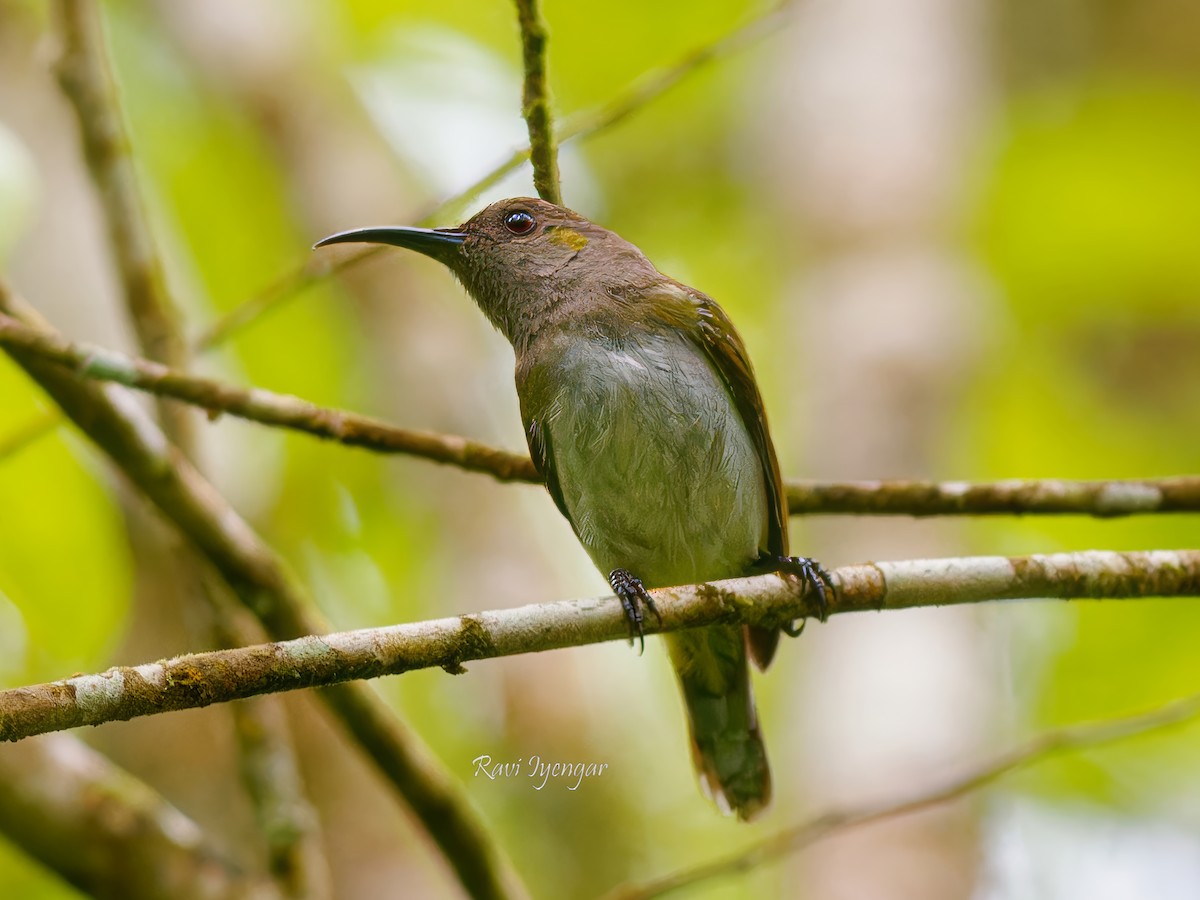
535 102
288 822
769 600
1102 499
1033 751
86 79
582 124
1012 497
291 283
264 406
28 433
257 576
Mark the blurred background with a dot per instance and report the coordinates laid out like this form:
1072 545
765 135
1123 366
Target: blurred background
960 240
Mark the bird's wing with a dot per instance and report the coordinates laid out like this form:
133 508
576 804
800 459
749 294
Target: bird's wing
534 391
704 322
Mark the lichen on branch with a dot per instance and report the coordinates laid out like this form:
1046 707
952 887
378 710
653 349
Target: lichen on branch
224 675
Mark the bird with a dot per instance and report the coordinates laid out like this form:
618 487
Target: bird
643 417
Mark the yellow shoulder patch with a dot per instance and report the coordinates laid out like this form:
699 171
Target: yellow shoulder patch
568 238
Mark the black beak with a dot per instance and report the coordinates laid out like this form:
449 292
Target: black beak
439 243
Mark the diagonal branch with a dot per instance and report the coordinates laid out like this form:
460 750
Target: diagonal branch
29 432
87 80
1036 750
263 406
224 675
535 102
582 124
260 580
265 749
901 498
109 834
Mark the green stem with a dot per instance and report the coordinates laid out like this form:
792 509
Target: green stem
535 102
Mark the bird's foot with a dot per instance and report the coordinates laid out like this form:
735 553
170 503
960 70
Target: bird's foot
811 573
633 596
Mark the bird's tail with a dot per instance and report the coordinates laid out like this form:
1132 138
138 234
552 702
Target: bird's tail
727 747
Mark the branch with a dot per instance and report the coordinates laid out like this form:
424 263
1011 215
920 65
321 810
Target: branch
535 102
263 406
28 433
1036 750
87 80
265 749
109 834
316 267
224 675
1051 496
270 772
580 125
260 580
907 498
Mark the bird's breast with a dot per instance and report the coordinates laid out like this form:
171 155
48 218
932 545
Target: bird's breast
656 469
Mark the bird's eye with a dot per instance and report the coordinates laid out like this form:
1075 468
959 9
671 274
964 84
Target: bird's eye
519 222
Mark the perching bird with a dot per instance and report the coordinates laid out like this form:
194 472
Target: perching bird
643 416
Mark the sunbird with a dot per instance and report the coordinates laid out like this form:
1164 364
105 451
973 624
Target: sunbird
643 417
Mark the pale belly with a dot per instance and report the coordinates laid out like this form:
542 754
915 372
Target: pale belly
657 471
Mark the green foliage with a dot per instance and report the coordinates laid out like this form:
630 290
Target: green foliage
64 563
1088 222
21 877
1093 204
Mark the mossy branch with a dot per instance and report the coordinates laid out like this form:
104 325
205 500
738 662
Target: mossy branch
266 407
535 101
109 834
204 678
1103 499
265 749
86 79
258 577
907 498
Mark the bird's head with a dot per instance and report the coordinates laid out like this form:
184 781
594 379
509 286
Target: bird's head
524 260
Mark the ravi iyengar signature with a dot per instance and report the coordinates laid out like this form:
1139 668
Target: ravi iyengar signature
539 771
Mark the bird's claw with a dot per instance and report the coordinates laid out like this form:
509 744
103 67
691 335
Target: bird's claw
633 596
811 573
792 630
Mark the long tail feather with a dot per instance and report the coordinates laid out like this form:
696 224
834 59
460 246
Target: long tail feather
727 746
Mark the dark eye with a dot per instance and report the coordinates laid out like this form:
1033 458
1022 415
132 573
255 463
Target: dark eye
519 222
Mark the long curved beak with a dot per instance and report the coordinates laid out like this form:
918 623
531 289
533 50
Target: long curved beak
439 243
